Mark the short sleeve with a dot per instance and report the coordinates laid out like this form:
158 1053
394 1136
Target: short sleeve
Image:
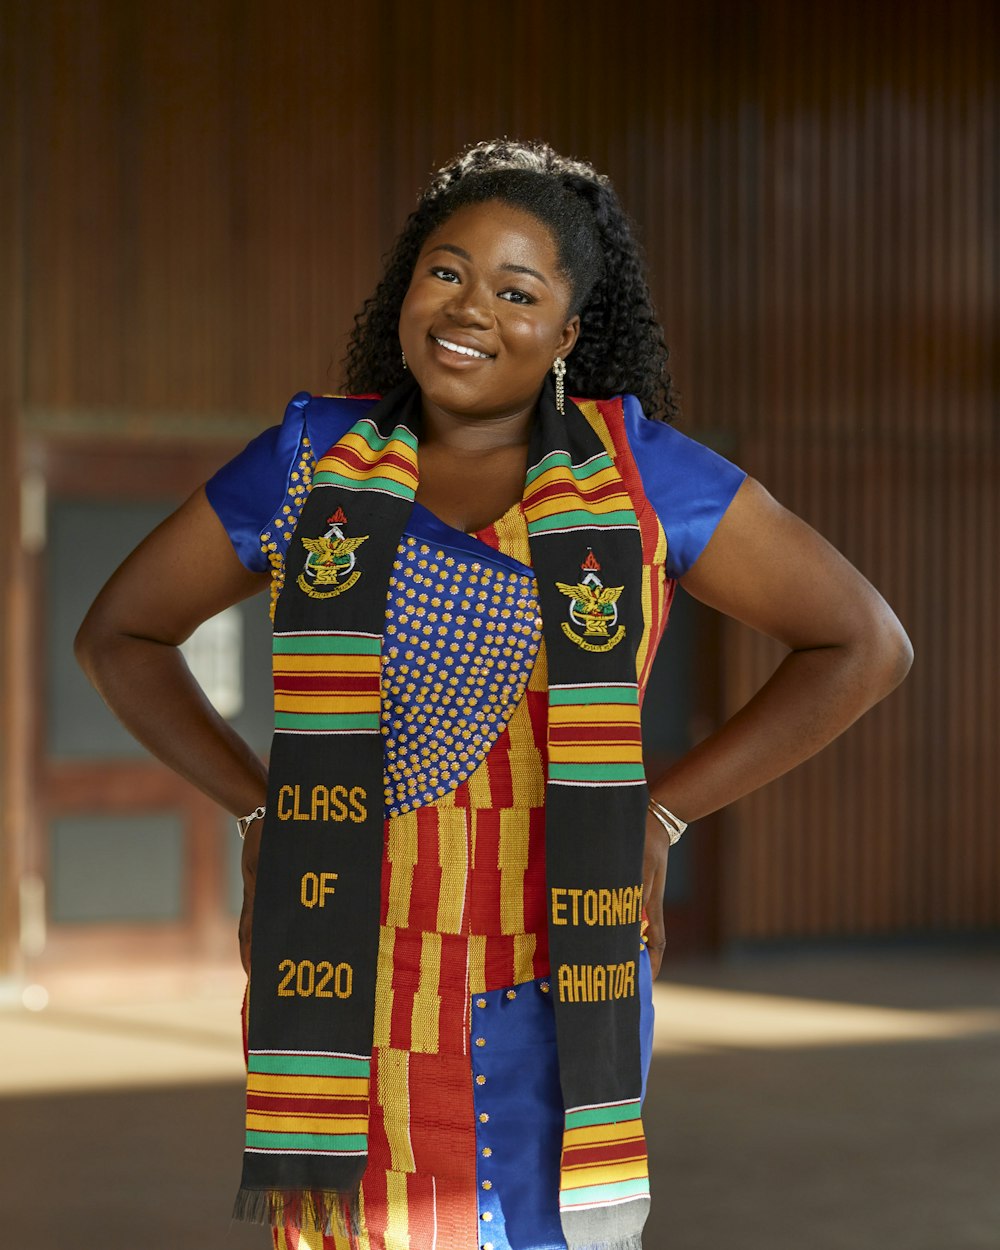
247 492
689 485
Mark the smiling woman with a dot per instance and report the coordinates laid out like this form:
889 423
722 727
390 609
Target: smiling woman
454 900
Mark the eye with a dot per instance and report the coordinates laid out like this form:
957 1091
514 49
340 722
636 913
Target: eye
515 296
446 275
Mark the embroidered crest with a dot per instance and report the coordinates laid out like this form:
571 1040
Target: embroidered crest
593 608
329 568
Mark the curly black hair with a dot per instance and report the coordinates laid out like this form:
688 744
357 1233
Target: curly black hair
620 348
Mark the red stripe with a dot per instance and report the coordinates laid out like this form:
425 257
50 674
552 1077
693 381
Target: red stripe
351 459
489 536
484 887
605 1152
330 683
498 763
318 1106
596 733
564 490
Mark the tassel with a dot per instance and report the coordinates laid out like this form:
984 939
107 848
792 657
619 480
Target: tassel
321 1209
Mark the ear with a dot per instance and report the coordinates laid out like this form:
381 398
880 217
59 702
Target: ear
571 332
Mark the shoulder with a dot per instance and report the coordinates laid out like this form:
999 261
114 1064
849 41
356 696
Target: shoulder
688 485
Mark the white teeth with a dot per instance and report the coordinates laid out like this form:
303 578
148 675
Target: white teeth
462 351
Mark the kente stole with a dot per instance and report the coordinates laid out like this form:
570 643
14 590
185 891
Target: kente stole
316 911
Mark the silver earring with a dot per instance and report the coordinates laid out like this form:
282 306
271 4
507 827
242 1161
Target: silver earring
403 357
559 369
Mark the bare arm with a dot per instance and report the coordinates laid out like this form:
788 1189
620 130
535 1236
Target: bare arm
183 573
766 567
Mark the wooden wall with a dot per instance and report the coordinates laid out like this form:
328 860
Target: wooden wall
203 191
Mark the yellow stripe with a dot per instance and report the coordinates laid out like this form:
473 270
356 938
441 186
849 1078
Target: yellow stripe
453 856
653 593
602 713
588 1134
513 863
539 679
576 1178
343 1241
524 956
397 1228
405 478
394 1099
512 532
563 753
479 794
384 991
359 445
563 477
326 663
477 963
402 855
526 770
306 1086
311 702
551 507
593 414
426 1001
275 1123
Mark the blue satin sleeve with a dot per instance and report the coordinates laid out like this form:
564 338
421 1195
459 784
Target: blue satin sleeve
247 492
689 485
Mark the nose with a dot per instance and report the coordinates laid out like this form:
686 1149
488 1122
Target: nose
470 305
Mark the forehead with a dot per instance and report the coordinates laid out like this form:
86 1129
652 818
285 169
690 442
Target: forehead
497 232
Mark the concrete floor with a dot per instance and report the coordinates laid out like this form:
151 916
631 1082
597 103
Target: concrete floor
838 1102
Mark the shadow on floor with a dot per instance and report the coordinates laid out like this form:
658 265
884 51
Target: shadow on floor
852 1148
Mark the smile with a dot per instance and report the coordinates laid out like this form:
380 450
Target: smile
461 351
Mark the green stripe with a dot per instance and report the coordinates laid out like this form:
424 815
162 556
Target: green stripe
582 520
596 694
326 644
596 772
604 1193
366 483
308 1065
306 1141
333 720
378 442
602 1115
560 459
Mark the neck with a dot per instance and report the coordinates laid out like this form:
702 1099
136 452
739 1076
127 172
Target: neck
473 435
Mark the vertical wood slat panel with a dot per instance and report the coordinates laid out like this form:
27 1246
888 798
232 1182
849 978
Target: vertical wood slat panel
816 188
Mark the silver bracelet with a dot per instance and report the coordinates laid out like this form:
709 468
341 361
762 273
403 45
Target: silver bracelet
243 823
673 826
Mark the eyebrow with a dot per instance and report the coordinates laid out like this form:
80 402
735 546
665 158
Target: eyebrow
461 252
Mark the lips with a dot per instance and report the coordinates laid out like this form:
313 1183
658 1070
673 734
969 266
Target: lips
460 348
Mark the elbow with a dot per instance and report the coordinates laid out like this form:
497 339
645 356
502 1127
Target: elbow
90 645
888 657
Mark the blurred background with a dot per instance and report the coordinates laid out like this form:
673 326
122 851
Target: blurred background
196 201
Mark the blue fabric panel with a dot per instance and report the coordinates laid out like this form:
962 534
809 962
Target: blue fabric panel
689 485
522 1097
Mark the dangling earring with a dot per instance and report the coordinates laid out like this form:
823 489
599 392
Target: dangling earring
403 358
559 369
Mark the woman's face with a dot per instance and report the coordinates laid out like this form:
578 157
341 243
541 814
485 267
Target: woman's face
486 281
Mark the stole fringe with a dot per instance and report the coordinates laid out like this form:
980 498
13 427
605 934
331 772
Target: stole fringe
320 1209
633 1242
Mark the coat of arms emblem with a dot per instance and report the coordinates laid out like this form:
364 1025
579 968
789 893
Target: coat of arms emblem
329 568
593 608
